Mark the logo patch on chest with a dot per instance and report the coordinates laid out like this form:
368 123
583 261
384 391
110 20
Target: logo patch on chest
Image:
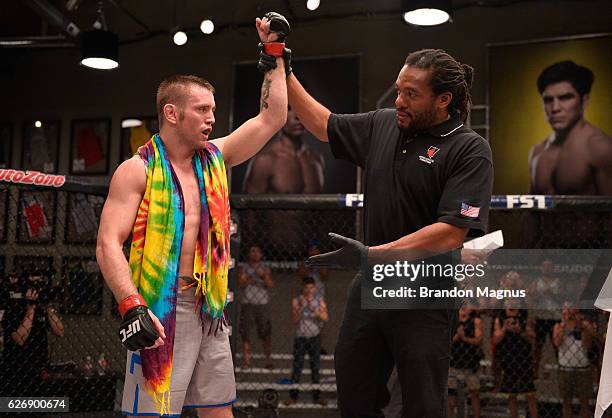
431 151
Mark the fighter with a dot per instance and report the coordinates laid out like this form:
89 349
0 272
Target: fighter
173 197
576 158
286 164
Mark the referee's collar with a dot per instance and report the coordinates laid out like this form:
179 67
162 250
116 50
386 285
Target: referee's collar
446 128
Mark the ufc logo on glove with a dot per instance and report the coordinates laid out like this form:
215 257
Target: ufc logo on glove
132 329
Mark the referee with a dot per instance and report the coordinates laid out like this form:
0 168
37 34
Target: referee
428 181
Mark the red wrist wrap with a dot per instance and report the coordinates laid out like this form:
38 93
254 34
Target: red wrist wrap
130 302
274 48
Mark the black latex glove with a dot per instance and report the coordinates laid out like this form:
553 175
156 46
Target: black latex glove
352 254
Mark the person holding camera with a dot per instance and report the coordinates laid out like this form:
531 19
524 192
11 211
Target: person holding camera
26 321
573 337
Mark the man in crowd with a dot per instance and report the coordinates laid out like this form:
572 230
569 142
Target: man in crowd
309 313
573 337
255 282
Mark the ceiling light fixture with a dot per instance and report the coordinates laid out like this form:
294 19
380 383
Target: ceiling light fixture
100 49
99 46
426 12
180 38
207 26
313 4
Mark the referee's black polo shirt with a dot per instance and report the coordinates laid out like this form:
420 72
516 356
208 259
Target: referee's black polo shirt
443 174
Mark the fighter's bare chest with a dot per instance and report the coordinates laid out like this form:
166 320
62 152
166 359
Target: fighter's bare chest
288 171
191 196
566 168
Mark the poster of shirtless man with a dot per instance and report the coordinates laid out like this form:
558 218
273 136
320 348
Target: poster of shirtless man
287 164
294 162
576 158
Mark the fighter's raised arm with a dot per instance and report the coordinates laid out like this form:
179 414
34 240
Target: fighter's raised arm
252 135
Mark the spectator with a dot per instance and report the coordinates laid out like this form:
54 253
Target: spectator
573 337
513 339
509 280
309 312
26 321
466 353
546 289
319 274
255 282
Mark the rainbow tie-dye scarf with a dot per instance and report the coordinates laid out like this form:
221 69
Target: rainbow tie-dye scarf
156 248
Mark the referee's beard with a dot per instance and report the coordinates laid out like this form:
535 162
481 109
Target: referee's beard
418 120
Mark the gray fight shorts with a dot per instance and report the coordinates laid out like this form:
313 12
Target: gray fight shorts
202 369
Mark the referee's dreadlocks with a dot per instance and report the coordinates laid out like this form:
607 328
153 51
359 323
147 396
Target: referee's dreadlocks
447 75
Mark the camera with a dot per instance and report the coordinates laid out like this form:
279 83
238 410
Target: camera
37 282
268 399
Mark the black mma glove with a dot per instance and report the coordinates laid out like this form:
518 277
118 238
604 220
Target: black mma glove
269 51
278 25
353 254
137 330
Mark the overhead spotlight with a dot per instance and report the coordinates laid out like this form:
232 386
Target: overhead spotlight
426 12
38 124
207 26
99 46
100 49
180 38
313 4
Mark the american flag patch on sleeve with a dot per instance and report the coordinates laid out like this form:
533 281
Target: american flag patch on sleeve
469 211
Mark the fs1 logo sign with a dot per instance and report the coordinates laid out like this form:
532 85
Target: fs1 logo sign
525 201
353 200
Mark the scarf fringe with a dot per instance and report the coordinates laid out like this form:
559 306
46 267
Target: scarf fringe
219 327
161 400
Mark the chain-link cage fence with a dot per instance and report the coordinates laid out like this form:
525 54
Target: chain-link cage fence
536 362
504 362
58 330
288 314
59 320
